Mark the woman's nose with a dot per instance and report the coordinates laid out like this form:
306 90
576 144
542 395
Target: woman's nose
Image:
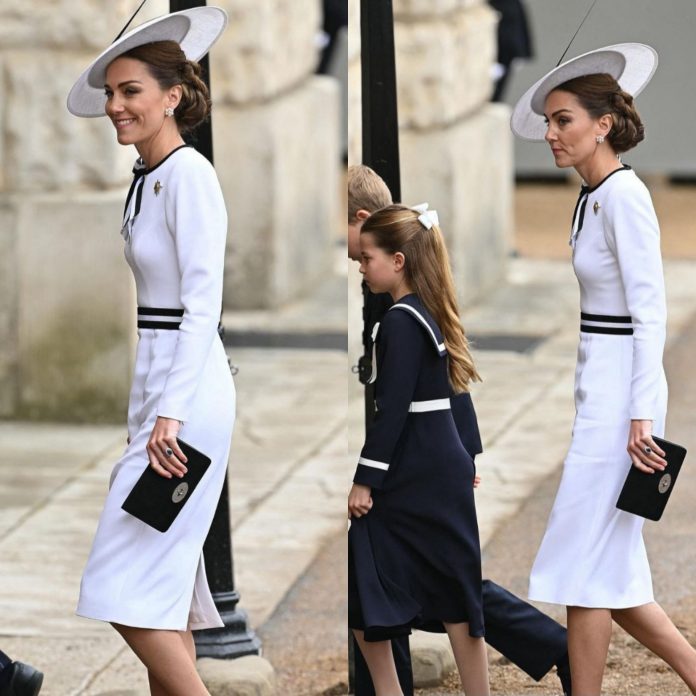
113 105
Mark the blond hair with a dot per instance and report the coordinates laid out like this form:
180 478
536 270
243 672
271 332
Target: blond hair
427 271
366 191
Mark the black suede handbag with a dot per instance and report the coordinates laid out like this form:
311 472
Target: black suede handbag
157 500
647 494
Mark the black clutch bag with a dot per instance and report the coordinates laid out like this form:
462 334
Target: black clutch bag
647 494
157 500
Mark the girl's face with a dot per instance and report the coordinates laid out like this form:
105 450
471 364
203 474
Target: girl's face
135 102
571 131
383 272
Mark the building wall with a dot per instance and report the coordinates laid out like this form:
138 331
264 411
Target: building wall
67 302
455 147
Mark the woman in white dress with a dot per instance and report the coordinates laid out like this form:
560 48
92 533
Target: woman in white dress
592 558
151 586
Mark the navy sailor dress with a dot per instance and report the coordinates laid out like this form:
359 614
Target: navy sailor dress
415 558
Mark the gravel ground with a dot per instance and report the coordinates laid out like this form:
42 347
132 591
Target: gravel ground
305 639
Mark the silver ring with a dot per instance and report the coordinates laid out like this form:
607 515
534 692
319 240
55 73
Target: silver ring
169 451
647 450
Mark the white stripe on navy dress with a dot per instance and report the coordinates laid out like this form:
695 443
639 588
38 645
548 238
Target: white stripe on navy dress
430 405
373 463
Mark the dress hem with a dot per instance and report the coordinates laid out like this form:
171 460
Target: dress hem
118 616
566 602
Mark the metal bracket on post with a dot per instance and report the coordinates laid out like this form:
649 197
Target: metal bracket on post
235 639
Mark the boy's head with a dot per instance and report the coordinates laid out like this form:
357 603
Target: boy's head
367 193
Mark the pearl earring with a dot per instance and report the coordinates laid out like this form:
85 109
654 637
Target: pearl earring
599 139
169 111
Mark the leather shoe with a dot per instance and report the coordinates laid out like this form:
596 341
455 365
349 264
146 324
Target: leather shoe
563 671
23 680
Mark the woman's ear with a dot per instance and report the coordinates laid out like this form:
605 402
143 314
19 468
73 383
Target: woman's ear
606 123
175 94
399 261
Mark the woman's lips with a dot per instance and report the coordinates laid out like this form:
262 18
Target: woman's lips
123 122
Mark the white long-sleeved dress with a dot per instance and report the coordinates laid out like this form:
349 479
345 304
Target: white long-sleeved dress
592 554
175 227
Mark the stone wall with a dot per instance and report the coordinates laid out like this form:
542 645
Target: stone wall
67 305
277 130
455 147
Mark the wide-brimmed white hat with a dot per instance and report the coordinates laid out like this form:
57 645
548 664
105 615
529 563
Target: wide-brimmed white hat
632 65
195 30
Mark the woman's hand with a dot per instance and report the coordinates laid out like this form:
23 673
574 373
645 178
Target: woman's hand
359 500
477 481
166 457
645 454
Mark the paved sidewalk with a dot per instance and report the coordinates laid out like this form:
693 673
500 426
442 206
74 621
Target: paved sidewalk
287 481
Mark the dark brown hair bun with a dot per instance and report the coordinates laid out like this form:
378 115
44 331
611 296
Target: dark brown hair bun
601 94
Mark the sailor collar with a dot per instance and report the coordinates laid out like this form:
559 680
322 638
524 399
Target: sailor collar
135 192
413 306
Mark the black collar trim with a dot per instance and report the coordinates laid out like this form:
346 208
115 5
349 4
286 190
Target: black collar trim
142 170
592 189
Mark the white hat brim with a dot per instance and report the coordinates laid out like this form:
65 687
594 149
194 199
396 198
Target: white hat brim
195 30
632 65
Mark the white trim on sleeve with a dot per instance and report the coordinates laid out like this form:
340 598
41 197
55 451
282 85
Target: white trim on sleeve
374 464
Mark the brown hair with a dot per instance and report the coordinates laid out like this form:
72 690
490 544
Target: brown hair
601 94
167 64
427 270
366 191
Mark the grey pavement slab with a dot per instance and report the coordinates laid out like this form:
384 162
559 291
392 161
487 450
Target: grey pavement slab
287 476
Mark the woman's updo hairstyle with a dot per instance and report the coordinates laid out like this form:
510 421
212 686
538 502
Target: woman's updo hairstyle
601 94
167 64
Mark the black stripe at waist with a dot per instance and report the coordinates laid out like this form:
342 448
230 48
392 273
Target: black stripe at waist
159 318
160 311
606 324
606 317
587 328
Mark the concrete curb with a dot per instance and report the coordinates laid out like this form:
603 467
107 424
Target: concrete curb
246 676
432 659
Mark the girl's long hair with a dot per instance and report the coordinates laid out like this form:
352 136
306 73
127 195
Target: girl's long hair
396 228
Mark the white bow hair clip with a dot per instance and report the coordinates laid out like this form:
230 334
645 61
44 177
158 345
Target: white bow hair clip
427 218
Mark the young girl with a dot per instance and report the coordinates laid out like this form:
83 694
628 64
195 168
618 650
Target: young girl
414 555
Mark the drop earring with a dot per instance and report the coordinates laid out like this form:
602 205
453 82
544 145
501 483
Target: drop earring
169 111
599 139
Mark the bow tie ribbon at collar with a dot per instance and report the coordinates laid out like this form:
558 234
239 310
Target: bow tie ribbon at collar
133 200
426 217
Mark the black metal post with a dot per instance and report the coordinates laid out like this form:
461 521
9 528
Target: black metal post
380 127
235 639
380 152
